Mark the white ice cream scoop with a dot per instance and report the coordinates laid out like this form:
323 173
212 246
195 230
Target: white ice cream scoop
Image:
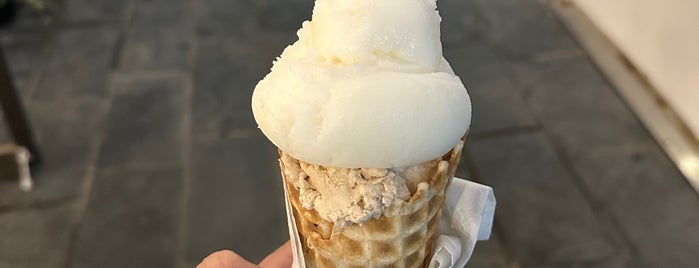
364 86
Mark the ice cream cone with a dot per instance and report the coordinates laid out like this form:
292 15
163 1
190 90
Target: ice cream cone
404 239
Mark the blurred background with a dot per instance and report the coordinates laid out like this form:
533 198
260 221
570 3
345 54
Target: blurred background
150 156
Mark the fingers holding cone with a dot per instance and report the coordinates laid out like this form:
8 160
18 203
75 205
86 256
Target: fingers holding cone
280 258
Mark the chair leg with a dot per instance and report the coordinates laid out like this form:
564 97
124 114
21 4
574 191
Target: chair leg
14 114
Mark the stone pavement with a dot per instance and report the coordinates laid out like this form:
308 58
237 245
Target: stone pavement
152 157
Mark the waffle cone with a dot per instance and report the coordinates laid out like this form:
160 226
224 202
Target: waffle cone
404 239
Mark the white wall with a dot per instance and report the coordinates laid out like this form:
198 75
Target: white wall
661 38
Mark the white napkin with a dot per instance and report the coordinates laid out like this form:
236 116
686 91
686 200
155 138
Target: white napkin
467 217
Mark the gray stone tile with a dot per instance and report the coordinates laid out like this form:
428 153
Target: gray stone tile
523 29
270 45
578 107
161 12
462 22
24 54
131 219
466 169
609 171
655 207
97 10
497 103
226 18
496 107
189 264
283 15
66 133
488 254
79 64
144 126
160 36
226 73
236 199
615 261
5 135
157 47
33 238
475 62
543 216
544 67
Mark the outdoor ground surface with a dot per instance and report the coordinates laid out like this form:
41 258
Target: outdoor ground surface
152 157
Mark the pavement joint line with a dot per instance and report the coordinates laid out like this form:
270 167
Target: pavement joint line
608 226
128 76
63 25
505 132
497 229
186 154
37 205
243 133
122 36
625 148
194 46
186 144
90 173
49 50
559 54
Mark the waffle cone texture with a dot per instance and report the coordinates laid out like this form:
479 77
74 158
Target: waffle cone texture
404 239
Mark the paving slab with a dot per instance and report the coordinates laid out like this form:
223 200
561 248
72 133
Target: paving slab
79 64
522 29
144 126
36 237
236 199
488 254
159 37
284 15
270 46
226 72
161 12
67 133
225 18
653 204
465 170
109 11
543 216
131 219
497 103
615 261
462 21
24 55
5 135
611 170
157 47
577 106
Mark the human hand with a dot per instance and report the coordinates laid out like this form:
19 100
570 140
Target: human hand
280 258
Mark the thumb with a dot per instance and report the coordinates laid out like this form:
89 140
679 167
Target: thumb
225 259
280 258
